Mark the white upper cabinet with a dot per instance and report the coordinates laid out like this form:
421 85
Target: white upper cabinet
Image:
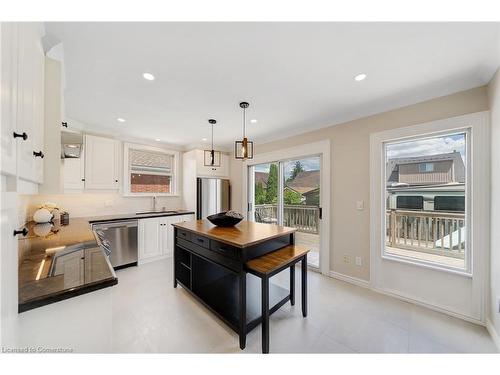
22 84
208 171
101 162
30 102
9 36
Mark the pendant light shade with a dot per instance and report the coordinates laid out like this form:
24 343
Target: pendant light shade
211 158
243 149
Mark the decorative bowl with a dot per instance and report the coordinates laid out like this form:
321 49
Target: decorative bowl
222 220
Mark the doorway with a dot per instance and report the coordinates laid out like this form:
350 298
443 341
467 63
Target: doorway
288 193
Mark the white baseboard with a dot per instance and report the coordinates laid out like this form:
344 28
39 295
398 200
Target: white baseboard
366 284
493 333
350 279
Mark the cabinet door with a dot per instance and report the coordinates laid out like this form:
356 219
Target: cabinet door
25 102
38 107
167 235
101 162
149 238
73 173
9 56
208 171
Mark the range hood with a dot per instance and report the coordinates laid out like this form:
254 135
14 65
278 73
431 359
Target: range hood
71 145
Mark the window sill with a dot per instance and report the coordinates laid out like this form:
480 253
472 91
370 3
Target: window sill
428 265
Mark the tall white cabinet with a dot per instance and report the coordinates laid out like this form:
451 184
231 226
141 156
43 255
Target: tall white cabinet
22 100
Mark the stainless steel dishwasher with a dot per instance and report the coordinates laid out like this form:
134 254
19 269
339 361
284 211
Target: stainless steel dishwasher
119 238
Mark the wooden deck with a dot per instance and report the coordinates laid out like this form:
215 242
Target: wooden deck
309 241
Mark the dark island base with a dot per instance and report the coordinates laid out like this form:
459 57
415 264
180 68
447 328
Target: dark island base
221 298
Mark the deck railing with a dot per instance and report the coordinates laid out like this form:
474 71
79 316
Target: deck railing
304 218
441 233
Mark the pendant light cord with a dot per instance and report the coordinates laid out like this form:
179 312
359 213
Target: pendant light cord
244 121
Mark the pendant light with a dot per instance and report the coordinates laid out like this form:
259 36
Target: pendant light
211 158
243 149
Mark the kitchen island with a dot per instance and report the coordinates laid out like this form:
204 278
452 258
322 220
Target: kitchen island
209 262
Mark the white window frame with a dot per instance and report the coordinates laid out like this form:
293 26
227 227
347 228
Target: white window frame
174 192
477 189
417 137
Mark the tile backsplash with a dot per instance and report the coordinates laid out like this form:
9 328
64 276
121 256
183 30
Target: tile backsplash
92 204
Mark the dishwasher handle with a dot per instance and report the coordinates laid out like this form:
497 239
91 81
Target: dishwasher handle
115 225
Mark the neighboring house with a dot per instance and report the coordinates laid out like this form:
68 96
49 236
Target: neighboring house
306 183
430 183
436 169
261 177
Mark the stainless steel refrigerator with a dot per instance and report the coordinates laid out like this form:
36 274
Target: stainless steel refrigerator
212 196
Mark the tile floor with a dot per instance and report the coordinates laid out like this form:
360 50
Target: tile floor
149 315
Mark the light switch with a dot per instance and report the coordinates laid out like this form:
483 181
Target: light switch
360 205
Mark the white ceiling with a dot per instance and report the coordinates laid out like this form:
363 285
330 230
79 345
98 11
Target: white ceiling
296 76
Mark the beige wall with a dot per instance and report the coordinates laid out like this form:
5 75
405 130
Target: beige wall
350 174
494 97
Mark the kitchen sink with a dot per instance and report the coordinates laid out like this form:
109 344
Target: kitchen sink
157 212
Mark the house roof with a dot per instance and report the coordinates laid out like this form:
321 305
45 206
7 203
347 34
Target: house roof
305 181
393 164
262 178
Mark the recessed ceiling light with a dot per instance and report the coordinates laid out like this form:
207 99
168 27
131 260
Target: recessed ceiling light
148 76
360 77
253 121
157 139
204 139
119 119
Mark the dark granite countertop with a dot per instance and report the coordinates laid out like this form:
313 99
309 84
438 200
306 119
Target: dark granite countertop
79 267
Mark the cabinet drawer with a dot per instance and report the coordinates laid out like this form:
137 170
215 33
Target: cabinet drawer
223 249
200 240
184 234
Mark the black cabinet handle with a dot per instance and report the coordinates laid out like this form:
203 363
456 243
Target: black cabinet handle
24 136
116 180
38 154
65 124
24 232
83 179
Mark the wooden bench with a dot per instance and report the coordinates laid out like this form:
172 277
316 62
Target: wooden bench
269 265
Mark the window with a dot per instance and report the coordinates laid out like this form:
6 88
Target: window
149 170
436 232
426 167
410 202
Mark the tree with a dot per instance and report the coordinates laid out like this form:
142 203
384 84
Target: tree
297 168
292 197
260 193
272 185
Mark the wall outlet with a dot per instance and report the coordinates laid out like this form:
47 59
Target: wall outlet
359 261
346 258
360 205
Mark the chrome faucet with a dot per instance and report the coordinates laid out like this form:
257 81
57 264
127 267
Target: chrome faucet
153 202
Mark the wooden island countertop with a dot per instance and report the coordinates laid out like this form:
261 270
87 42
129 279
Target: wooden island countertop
244 234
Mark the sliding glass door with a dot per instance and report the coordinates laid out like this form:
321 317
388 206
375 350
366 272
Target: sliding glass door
288 193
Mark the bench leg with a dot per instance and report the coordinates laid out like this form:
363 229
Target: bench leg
265 315
304 286
243 310
292 285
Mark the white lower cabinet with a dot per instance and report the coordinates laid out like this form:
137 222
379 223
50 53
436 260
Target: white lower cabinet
156 237
149 239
